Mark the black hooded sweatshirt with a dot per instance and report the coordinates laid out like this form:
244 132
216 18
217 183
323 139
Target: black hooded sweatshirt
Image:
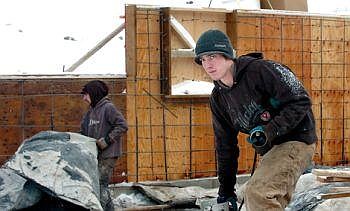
264 93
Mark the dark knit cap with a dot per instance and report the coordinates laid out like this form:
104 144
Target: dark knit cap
96 89
213 41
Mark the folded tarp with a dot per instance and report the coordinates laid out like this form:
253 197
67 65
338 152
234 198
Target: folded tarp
64 164
16 192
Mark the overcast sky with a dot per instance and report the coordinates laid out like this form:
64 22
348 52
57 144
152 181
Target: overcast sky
33 32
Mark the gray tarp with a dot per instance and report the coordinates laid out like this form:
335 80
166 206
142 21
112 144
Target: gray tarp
63 163
16 192
161 194
177 195
306 196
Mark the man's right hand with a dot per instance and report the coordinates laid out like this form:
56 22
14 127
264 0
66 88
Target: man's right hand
258 139
257 136
232 202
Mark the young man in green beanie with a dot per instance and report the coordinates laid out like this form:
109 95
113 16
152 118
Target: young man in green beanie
265 100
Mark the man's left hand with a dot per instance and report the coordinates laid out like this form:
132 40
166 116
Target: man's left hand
101 143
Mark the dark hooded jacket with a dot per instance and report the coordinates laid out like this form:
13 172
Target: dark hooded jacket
265 93
103 120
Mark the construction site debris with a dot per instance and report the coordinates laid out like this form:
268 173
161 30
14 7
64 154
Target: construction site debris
310 194
61 165
320 190
16 192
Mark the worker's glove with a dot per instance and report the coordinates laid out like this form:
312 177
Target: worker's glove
232 202
258 139
101 143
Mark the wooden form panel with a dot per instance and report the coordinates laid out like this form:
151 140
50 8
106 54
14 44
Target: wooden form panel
203 160
67 110
11 88
38 110
174 140
165 140
132 154
178 151
177 141
282 38
178 69
39 104
246 154
317 109
183 69
11 138
347 125
159 160
10 110
330 74
203 163
145 145
316 49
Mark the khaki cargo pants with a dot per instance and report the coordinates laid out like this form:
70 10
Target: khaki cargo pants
274 180
105 167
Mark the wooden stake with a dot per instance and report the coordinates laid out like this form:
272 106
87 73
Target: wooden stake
96 48
334 195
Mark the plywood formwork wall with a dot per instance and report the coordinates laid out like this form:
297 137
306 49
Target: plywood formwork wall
195 22
29 106
174 140
317 50
166 140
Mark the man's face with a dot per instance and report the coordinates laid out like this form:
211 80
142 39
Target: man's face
86 98
217 66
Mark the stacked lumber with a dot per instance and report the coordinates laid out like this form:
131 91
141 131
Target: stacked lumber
332 176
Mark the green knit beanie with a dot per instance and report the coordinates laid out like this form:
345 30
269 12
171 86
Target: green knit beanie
213 41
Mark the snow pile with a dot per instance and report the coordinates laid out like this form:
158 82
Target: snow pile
192 87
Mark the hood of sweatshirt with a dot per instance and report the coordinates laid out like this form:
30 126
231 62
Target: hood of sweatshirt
97 90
